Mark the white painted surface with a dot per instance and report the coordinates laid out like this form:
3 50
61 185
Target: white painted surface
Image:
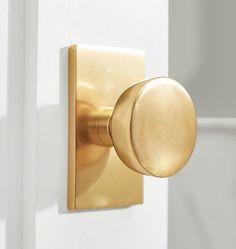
11 121
3 58
51 26
202 53
202 197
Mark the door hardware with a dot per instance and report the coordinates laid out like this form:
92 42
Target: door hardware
118 118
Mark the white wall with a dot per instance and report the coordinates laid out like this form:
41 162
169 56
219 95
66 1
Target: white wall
202 53
11 121
202 200
51 26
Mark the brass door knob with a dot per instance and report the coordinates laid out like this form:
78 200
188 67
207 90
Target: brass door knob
152 127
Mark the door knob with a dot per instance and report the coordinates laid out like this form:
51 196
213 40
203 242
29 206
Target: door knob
152 127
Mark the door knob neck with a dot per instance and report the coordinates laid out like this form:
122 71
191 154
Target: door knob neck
98 127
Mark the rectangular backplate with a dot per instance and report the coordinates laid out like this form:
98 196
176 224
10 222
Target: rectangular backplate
100 182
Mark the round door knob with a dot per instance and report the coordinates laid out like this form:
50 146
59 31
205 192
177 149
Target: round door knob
152 127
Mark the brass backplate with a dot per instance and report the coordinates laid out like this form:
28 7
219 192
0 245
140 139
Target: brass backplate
97 178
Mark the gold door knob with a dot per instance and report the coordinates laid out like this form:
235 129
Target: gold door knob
152 127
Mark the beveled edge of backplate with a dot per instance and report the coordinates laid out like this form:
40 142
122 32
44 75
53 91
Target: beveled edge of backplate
72 127
127 178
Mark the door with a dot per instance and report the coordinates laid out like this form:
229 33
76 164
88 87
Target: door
35 36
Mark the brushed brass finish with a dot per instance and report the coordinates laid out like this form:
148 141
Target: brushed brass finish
97 178
152 127
98 127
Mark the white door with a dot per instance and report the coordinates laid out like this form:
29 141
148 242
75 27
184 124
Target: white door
34 37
